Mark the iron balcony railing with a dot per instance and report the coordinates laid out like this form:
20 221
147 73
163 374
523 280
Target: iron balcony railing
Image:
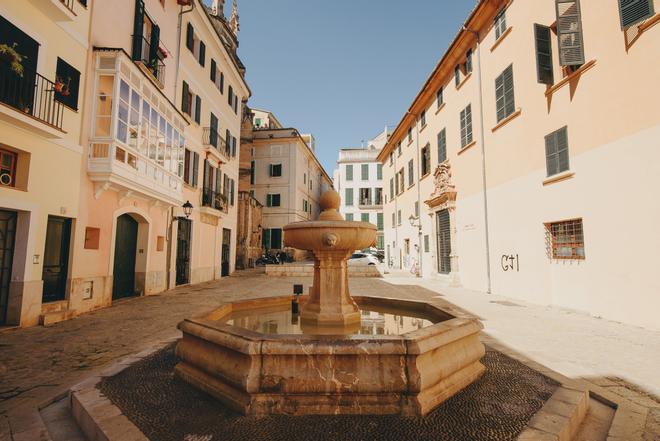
30 93
155 64
213 139
213 199
68 4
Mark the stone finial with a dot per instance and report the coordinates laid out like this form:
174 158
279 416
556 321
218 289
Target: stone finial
233 20
330 202
218 7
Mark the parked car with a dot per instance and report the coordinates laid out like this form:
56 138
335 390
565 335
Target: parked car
362 259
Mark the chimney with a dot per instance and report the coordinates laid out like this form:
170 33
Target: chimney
218 8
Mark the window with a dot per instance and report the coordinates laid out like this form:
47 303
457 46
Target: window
305 207
190 37
365 196
379 172
543 54
191 104
411 173
349 172
400 182
556 151
305 178
426 159
275 170
67 83
349 217
468 62
257 122
457 75
364 172
198 109
217 77
440 97
202 54
634 11
391 158
273 200
253 169
380 221
427 246
466 126
380 242
393 220
398 217
364 217
391 188
422 118
409 135
230 96
566 239
500 24
8 168
349 197
272 238
416 208
398 149
569 33
378 196
504 99
442 146
191 167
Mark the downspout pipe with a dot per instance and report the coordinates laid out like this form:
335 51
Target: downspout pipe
483 159
419 199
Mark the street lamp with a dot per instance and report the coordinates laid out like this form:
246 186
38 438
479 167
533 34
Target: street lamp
415 222
187 209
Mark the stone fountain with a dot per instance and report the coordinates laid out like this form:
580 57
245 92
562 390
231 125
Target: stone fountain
342 354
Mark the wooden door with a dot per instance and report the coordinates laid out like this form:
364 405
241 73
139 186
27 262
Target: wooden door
7 239
123 284
56 259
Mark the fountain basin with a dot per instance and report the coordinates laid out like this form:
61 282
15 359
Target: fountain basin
259 373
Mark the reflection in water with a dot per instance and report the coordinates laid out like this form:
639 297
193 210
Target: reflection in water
282 321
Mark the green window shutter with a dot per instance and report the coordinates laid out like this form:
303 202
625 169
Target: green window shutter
380 223
349 216
411 173
457 75
195 170
154 43
364 217
276 238
440 97
270 170
365 172
276 200
269 200
468 61
214 69
466 126
185 90
556 151
426 244
202 53
190 37
222 82
219 181
569 33
391 188
393 220
266 238
634 11
379 171
442 146
543 54
504 99
198 109
349 172
138 24
349 197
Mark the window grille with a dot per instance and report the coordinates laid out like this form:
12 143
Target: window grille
565 239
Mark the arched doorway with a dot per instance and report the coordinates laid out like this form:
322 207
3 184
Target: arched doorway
126 237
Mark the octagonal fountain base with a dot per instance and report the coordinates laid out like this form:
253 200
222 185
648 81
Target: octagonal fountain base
436 355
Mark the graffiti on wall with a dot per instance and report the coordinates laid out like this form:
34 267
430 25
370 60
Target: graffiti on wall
510 262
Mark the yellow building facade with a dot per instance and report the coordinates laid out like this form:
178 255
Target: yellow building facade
522 165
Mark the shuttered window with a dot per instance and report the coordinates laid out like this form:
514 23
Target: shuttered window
442 146
380 223
190 37
556 151
393 220
379 171
185 93
443 242
349 217
391 188
195 169
543 54
569 33
275 170
198 109
364 217
457 75
202 53
426 159
349 172
634 11
349 197
468 62
466 126
440 97
273 200
276 238
364 172
427 247
214 69
504 99
500 24
411 173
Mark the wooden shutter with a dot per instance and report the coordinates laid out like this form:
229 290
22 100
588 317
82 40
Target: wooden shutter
269 200
443 242
222 82
214 69
154 43
411 173
185 90
232 185
190 37
543 55
198 109
266 238
138 24
202 53
504 98
218 180
391 188
634 11
186 166
233 147
569 33
195 168
457 75
442 146
556 151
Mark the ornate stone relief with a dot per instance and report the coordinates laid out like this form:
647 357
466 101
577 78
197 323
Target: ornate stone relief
444 193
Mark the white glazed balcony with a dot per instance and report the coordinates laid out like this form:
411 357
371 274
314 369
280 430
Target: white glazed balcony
113 167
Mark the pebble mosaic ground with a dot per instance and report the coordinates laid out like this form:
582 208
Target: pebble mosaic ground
494 408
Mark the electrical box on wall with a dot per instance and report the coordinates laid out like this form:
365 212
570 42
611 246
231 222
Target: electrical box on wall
88 290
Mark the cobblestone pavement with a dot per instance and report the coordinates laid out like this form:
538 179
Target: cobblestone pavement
494 408
38 363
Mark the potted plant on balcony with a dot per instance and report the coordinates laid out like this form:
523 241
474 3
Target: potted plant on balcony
220 201
11 56
61 87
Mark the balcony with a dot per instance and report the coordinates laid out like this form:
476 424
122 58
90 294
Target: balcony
58 10
215 200
216 145
111 166
370 205
32 98
152 61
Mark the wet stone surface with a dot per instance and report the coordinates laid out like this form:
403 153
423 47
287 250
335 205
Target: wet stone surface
496 407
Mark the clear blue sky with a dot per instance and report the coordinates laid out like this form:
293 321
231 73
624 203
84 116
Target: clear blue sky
342 70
